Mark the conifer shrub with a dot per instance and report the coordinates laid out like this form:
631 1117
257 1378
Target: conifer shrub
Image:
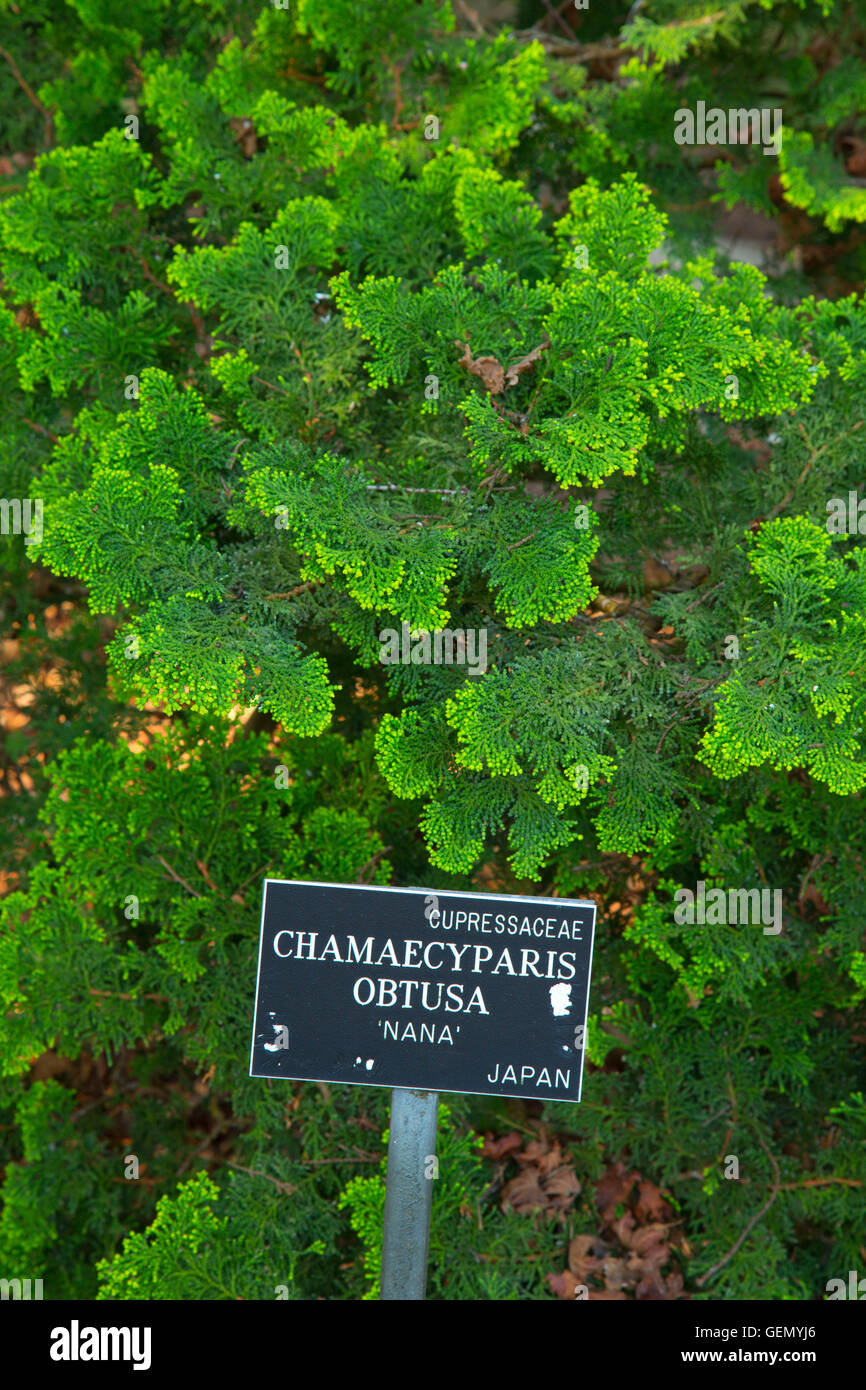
321 333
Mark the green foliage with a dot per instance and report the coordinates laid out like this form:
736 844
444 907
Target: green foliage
810 178
379 320
153 1264
477 1251
55 1189
808 652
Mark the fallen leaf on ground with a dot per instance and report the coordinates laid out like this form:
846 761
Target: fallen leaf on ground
499 1147
612 1190
651 1203
547 1182
564 1284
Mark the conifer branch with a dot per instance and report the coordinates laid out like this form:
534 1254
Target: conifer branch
270 385
530 537
116 994
818 860
435 491
31 96
293 593
177 878
40 429
365 873
141 259
815 454
720 1264
821 1182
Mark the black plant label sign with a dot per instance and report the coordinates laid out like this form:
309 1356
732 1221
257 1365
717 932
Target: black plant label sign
470 992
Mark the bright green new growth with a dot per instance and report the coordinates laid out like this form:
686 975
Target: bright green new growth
590 371
807 652
151 1262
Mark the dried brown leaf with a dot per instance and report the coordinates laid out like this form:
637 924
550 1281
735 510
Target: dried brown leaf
500 1146
650 1242
487 368
657 574
524 1193
564 1284
855 162
617 1274
623 1229
585 1254
612 1189
490 370
561 1188
515 371
651 1204
245 134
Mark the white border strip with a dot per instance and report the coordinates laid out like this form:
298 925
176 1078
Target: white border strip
431 892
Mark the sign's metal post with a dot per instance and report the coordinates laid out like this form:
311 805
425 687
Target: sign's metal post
517 1034
409 1193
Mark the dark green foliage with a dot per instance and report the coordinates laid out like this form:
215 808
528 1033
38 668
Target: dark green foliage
484 1258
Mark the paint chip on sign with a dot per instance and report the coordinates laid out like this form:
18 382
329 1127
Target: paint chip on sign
560 1000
